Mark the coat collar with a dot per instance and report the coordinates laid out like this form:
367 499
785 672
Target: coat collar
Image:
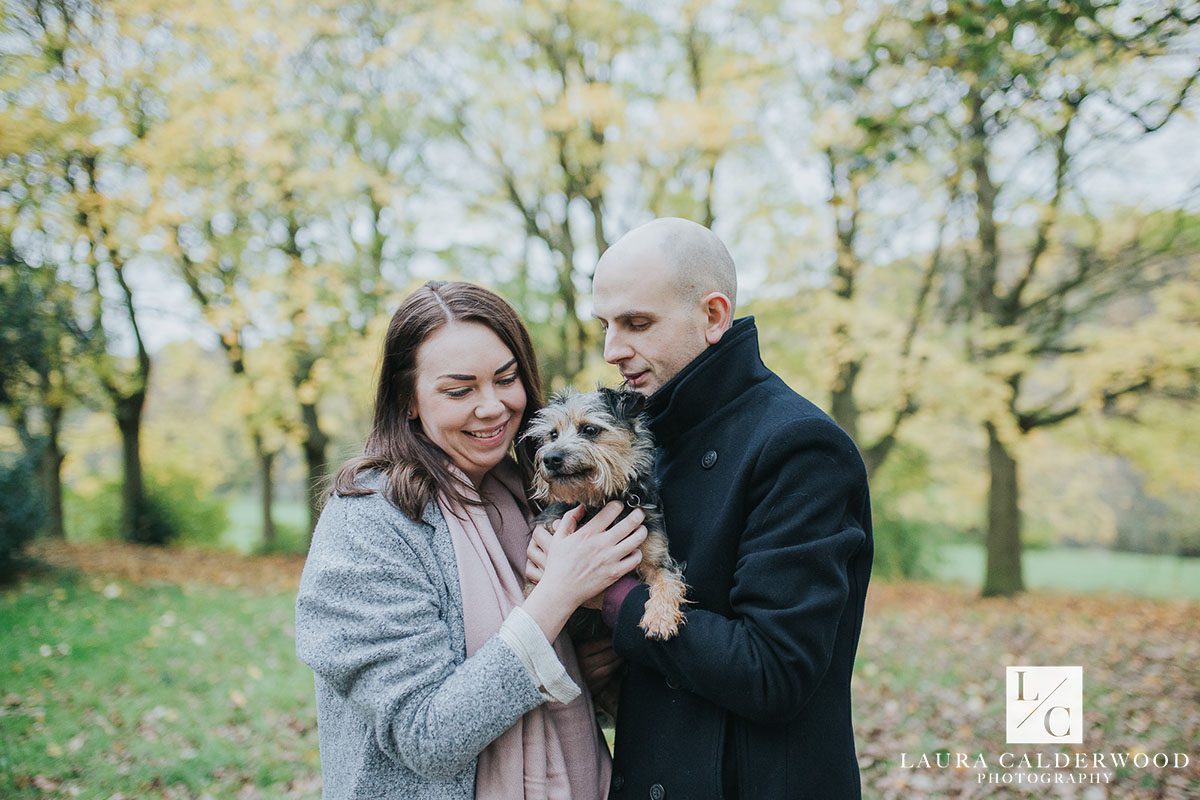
713 379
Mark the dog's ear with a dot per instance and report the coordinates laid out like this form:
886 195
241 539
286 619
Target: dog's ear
562 395
624 405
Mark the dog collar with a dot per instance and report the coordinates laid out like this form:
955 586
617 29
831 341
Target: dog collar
633 501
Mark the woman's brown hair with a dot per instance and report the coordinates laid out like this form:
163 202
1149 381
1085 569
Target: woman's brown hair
415 470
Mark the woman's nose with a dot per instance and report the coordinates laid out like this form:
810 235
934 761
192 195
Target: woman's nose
489 405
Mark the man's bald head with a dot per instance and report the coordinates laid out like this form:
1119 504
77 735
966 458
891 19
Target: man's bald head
664 292
697 260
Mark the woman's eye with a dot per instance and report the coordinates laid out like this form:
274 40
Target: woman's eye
554 436
507 381
589 430
457 392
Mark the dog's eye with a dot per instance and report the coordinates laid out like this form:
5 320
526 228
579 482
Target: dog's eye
589 430
554 436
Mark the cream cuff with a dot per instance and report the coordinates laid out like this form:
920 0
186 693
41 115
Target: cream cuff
526 639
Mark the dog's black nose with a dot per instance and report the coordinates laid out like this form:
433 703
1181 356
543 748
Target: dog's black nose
553 461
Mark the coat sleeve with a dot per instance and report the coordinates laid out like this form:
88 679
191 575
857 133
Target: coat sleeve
368 623
791 583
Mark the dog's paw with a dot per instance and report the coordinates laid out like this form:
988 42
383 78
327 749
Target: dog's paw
662 622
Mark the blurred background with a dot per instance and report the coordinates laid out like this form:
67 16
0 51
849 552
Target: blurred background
969 229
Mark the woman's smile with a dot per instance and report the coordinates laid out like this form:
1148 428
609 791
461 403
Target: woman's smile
489 436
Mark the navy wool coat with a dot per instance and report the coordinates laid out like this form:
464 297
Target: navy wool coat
766 502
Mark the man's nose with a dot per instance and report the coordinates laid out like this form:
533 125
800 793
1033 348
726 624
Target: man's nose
615 348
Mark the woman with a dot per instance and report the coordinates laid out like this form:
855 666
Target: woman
435 677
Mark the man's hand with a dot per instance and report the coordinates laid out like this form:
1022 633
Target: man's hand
597 662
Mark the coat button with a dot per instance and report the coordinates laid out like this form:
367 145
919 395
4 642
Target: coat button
709 459
657 792
672 684
618 782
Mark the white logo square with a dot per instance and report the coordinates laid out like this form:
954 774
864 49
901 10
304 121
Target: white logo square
1044 705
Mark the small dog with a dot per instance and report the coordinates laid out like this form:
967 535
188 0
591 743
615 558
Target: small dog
593 448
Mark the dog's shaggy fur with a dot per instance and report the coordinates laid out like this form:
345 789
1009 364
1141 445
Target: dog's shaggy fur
593 448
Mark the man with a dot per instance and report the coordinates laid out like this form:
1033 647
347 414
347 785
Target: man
765 501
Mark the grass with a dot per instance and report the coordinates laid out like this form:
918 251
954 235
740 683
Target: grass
115 689
1081 570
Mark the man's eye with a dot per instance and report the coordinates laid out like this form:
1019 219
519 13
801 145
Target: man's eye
589 430
554 436
638 326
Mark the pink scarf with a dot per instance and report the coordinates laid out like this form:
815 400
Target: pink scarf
553 752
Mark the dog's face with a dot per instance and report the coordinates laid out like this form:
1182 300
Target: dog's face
590 447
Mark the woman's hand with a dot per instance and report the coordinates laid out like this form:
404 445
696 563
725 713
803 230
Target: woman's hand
535 554
578 565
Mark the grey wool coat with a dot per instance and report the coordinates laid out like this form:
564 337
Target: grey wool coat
401 711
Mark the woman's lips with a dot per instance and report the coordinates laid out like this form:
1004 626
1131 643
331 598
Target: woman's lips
489 435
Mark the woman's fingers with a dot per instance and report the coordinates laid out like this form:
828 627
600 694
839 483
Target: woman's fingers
566 525
604 517
538 542
633 540
535 555
629 563
627 526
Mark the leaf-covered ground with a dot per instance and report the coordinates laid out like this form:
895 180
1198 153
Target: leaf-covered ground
140 673
930 676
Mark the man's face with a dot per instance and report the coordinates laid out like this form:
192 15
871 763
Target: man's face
651 332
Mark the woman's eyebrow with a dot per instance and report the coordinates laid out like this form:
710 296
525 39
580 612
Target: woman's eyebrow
504 368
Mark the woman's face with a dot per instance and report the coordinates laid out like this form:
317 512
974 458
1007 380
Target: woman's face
468 396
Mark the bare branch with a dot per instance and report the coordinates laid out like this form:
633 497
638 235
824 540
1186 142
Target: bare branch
1012 301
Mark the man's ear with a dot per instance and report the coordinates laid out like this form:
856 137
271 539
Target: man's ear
718 313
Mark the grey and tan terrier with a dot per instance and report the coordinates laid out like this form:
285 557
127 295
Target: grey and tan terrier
593 448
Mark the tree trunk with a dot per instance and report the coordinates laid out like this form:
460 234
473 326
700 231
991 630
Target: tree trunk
315 443
1003 571
129 421
843 406
50 465
266 464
